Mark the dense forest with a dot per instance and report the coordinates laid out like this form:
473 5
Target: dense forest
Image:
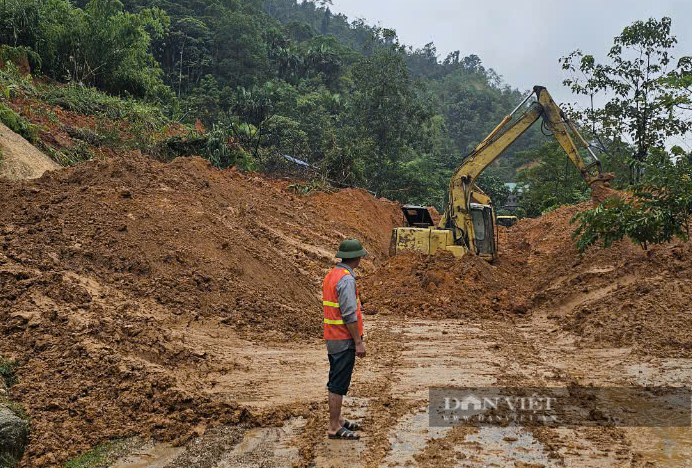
284 78
277 78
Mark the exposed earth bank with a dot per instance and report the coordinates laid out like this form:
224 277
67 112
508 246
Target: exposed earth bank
105 267
164 300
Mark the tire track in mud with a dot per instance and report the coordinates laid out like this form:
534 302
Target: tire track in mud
390 390
462 354
432 353
490 353
545 355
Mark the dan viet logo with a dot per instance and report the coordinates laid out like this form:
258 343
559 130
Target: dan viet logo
504 408
571 406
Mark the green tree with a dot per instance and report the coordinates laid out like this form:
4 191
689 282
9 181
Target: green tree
204 102
548 180
658 211
641 102
100 45
387 110
495 188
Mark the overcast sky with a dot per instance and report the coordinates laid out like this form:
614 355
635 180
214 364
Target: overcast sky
520 39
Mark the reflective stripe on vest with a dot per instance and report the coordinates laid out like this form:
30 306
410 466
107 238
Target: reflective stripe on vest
334 327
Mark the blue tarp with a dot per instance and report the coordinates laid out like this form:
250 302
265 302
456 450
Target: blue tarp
296 160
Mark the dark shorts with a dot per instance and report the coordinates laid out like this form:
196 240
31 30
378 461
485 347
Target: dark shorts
340 371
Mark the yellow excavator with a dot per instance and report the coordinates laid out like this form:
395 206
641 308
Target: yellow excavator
468 223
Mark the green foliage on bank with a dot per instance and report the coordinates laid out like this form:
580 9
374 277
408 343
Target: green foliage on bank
18 124
101 456
269 78
657 212
8 370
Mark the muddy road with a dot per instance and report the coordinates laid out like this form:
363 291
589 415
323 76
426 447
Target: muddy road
389 397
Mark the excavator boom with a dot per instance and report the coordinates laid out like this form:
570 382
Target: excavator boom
468 222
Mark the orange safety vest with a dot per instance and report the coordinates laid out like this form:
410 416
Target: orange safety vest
334 327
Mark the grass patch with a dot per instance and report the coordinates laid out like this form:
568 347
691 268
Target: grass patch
101 456
90 101
8 371
16 408
18 124
69 156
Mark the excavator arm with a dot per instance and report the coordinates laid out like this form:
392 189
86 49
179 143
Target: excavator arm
457 216
468 223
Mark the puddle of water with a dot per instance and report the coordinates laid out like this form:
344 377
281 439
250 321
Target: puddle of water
264 447
410 436
150 456
504 446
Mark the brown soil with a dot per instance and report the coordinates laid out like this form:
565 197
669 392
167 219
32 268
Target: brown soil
622 296
442 286
103 266
601 191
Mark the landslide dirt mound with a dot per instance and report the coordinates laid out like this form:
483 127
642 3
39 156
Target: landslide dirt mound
442 286
621 296
102 266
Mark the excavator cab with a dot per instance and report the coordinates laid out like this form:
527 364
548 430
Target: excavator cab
483 230
417 216
420 234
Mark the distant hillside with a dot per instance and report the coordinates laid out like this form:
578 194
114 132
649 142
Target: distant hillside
279 77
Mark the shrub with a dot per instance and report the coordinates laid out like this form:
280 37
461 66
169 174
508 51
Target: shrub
18 124
217 146
69 156
90 101
21 55
8 370
658 212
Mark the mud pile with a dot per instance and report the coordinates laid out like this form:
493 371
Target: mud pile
621 296
105 265
442 286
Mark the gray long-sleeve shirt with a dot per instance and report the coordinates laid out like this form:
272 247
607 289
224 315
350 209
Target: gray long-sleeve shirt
348 304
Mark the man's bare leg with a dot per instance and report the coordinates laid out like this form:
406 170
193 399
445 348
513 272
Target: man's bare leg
335 419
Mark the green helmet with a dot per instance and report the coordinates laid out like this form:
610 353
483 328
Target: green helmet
351 248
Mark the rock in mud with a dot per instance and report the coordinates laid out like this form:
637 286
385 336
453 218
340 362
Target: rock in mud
14 435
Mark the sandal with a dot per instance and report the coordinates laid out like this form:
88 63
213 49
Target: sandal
352 425
345 434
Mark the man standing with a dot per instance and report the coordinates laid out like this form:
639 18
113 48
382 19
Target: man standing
343 332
